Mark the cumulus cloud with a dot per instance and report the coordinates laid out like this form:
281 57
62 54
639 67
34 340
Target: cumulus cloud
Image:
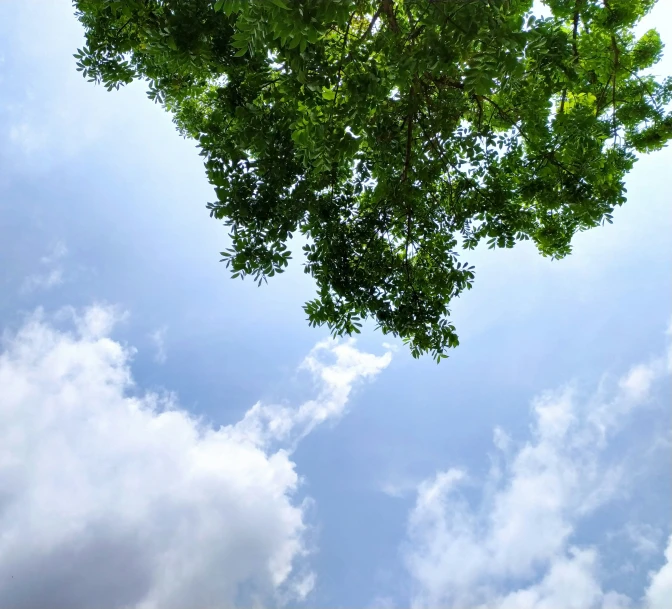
660 586
570 582
114 498
513 548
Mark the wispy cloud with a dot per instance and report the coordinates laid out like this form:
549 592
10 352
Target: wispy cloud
26 138
515 548
398 487
336 365
42 281
119 500
58 251
51 276
645 540
158 338
51 116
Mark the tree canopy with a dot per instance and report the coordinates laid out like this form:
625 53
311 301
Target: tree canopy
394 133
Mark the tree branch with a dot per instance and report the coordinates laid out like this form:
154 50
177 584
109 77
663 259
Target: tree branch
575 32
614 46
365 35
387 6
404 177
409 141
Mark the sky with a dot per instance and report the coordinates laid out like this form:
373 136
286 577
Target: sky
170 437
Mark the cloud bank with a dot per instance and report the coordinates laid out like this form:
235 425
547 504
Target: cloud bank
114 498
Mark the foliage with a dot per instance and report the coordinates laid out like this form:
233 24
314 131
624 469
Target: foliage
394 133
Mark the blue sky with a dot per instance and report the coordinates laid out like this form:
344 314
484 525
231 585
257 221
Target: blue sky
170 437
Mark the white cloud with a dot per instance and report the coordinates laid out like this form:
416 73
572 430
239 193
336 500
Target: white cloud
56 115
158 338
26 138
382 602
645 539
116 499
513 549
58 251
398 487
268 422
52 276
570 583
42 281
660 587
638 381
51 116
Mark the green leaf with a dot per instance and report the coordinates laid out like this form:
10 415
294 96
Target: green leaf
495 123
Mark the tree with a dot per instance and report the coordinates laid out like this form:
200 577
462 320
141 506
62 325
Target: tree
393 133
